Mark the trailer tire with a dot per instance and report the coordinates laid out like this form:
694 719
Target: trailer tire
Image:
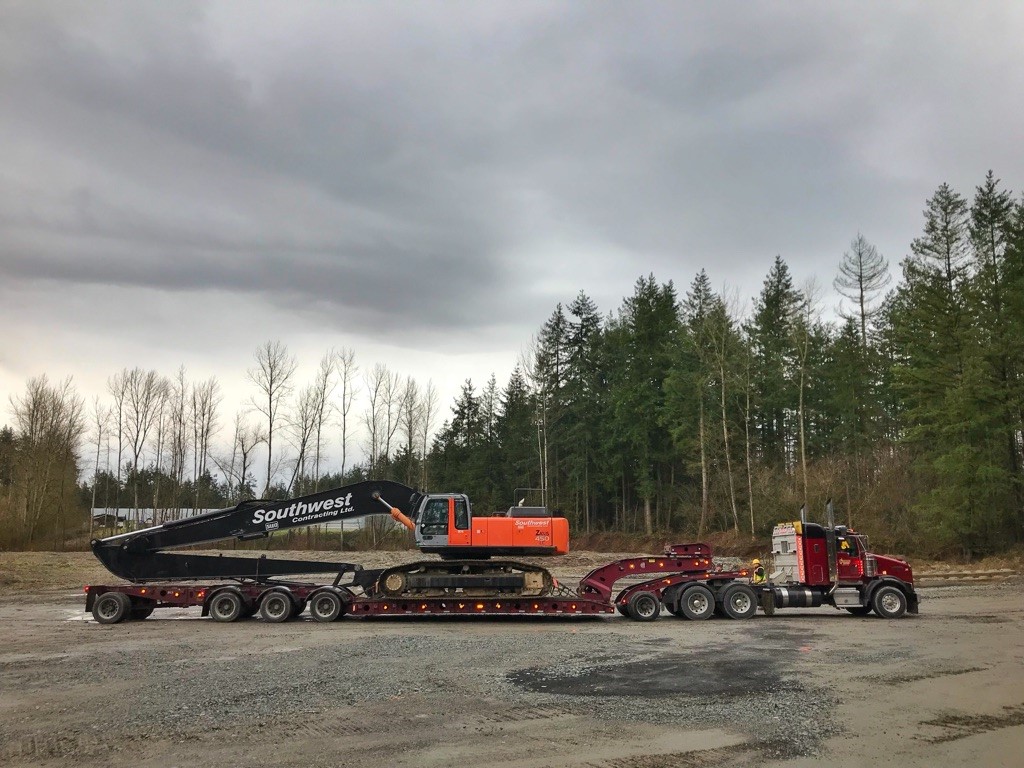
889 602
697 603
860 610
644 606
326 606
142 612
226 605
276 606
111 607
739 602
622 609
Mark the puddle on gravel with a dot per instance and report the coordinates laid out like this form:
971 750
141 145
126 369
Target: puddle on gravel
697 673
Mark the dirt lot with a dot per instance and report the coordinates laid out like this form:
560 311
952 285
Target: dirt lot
800 688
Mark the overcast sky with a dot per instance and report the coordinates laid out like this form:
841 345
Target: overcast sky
422 182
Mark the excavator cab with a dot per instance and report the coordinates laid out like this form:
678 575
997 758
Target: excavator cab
445 525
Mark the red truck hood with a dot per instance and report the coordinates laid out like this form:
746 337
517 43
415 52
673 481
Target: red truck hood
893 566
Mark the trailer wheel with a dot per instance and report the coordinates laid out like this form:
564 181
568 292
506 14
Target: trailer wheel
622 609
226 606
739 602
860 610
644 606
111 607
142 612
889 602
697 603
326 606
276 607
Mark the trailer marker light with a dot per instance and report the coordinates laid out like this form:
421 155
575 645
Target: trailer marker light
479 606
497 605
535 606
177 594
200 593
461 606
632 566
143 590
423 606
573 606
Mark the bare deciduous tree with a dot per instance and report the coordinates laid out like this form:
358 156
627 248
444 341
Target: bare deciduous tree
206 398
50 421
427 416
272 375
237 466
144 394
344 361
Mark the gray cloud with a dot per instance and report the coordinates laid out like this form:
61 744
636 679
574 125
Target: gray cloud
429 173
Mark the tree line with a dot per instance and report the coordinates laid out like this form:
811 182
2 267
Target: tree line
677 413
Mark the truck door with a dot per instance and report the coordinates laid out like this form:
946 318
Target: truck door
849 559
459 533
432 529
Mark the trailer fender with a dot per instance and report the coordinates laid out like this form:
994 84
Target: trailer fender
904 587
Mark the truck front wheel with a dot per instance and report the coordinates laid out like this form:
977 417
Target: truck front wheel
889 602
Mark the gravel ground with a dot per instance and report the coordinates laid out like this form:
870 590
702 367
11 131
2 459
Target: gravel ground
799 688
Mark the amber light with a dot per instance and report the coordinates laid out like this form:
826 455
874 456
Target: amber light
143 590
177 594
479 606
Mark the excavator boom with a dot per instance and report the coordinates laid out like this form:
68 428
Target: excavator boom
139 556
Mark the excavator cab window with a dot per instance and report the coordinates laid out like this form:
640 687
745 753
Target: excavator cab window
434 521
461 514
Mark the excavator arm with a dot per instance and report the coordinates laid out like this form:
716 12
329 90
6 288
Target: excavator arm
138 556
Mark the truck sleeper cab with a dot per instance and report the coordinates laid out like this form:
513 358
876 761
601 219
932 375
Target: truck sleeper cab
445 525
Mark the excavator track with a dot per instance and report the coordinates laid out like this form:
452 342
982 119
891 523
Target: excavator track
470 578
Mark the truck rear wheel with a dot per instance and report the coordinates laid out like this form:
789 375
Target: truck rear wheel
276 607
739 602
697 603
326 606
644 606
889 602
226 606
111 607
